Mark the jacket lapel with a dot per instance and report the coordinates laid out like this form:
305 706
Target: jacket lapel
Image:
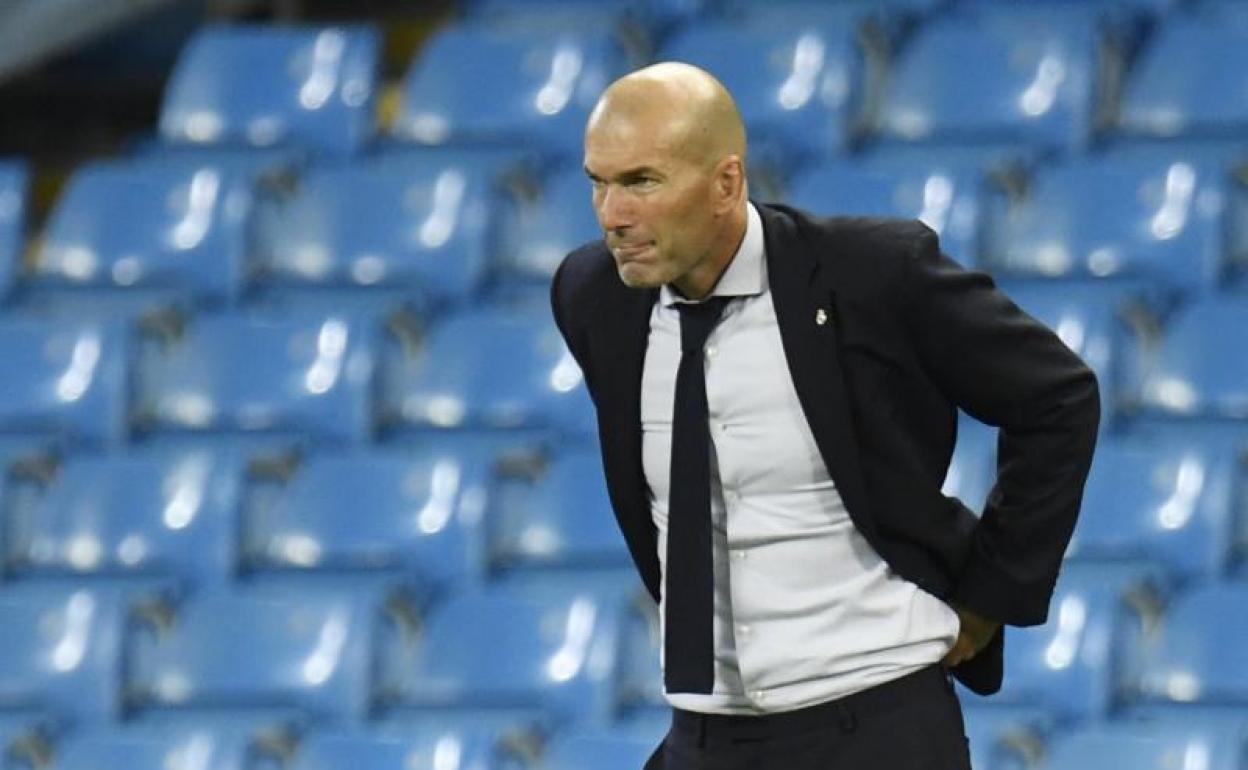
805 304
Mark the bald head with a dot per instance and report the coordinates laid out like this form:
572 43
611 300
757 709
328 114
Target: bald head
692 111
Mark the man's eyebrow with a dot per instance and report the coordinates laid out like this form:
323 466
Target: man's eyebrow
631 173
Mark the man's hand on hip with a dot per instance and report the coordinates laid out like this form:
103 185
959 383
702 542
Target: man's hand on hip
974 635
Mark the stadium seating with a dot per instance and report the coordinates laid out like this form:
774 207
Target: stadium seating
418 513
602 750
1188 82
228 374
1079 664
1160 501
1154 219
1199 368
279 645
541 228
501 367
531 88
1006 738
1094 321
158 748
296 472
1023 76
563 638
413 227
796 78
479 744
974 466
14 179
1191 658
64 381
946 198
170 514
127 236
60 653
555 513
1149 747
260 86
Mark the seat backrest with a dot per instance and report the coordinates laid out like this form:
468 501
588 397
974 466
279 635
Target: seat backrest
419 511
63 379
142 513
478 83
266 85
1024 76
160 224
306 376
417 222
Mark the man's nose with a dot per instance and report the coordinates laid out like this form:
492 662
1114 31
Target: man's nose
614 213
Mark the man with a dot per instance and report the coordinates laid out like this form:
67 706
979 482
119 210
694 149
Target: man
777 400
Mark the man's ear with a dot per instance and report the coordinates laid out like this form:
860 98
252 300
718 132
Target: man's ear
729 182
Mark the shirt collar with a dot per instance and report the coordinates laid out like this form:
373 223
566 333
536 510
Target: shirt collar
744 274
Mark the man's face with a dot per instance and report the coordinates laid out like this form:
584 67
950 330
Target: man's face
655 205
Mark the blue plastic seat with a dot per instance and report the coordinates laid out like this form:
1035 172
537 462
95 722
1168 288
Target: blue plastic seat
654 16
1161 501
1013 76
137 234
421 744
601 750
416 226
1191 81
493 368
259 86
946 197
1079 664
542 229
1193 656
1093 320
973 469
261 646
532 87
170 514
168 747
1156 746
1200 367
61 650
557 514
232 374
794 77
14 179
1006 738
418 512
1149 218
560 654
63 380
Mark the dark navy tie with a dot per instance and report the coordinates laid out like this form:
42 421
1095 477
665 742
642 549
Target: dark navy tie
689 644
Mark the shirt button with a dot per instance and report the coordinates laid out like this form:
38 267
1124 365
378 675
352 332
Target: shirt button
711 350
758 695
743 630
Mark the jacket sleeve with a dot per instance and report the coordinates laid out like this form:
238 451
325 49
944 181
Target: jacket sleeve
1006 369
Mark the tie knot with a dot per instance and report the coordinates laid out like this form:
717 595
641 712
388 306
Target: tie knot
697 319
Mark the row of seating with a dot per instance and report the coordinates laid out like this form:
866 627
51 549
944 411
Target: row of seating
347 377
447 512
433 229
808 79
581 648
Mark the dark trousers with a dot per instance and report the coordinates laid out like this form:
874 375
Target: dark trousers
911 723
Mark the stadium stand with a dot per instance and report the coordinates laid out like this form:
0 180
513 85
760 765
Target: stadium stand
260 86
297 474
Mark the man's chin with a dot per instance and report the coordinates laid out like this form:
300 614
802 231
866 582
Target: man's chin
637 277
